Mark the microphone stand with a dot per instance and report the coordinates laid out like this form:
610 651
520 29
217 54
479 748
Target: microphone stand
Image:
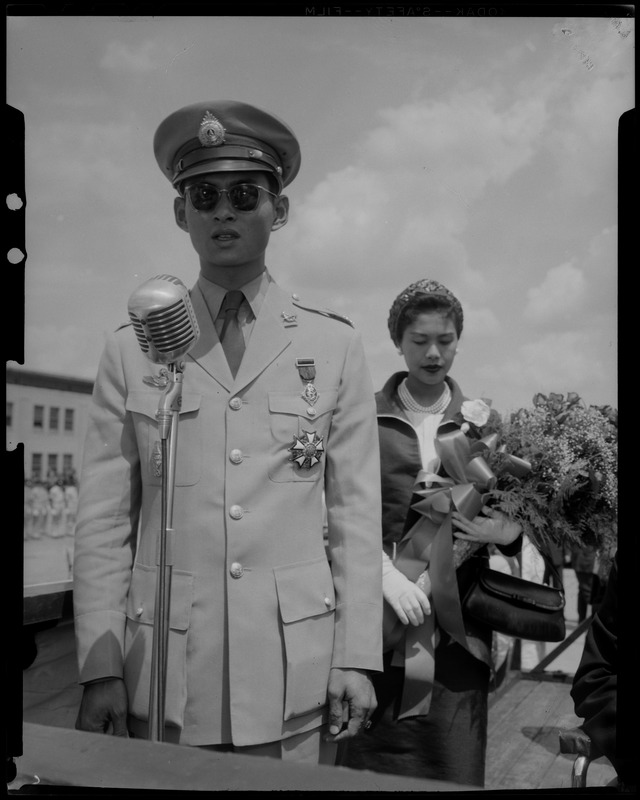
167 416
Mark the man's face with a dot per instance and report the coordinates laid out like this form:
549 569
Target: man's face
225 238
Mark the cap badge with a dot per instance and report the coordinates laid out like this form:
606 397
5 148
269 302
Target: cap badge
211 133
306 450
159 381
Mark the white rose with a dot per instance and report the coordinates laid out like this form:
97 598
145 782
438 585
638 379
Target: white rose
476 411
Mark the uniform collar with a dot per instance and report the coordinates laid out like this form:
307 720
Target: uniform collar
254 291
268 339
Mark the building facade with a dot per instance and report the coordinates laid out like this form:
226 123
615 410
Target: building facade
49 415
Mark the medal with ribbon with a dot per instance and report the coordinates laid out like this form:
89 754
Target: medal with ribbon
307 370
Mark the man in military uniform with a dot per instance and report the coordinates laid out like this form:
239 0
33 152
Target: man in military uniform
271 634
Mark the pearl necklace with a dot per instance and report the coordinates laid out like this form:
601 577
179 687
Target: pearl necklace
411 405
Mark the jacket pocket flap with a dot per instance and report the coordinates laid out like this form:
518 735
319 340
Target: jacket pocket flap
305 589
288 403
147 402
142 596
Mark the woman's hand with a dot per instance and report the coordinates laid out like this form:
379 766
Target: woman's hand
406 598
490 527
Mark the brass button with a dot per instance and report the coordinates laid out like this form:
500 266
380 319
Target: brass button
235 456
311 411
236 570
327 602
139 611
236 512
235 403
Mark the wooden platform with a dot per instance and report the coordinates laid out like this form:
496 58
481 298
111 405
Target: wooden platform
523 749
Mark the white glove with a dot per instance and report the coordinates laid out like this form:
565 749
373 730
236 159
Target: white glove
406 598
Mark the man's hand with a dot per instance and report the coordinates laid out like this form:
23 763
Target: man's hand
353 688
103 708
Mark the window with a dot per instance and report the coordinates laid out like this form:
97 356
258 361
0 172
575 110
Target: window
9 415
54 418
68 419
36 466
67 464
52 465
38 417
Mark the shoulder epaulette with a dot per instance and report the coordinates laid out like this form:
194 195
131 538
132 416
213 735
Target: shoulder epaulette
324 311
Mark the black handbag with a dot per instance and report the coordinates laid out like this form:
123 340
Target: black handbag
517 607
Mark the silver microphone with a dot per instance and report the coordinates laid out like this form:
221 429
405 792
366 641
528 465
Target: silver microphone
163 319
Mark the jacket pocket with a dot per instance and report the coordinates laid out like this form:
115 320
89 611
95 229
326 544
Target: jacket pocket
140 613
143 407
307 604
292 426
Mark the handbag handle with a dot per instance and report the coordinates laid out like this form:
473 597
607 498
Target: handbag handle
550 567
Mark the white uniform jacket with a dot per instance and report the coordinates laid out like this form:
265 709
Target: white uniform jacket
259 614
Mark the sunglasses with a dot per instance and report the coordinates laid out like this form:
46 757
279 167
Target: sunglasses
243 196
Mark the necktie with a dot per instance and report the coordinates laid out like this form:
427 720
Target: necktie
231 333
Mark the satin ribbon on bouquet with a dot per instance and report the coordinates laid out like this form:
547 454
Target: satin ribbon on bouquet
430 541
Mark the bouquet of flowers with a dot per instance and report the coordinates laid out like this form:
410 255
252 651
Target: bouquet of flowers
554 469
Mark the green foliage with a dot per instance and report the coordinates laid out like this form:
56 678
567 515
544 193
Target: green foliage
570 494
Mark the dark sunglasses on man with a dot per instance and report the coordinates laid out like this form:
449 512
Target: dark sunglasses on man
243 196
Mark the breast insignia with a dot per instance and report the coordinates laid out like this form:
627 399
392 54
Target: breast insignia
306 450
290 320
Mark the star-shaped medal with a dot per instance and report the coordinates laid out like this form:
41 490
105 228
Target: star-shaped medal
306 450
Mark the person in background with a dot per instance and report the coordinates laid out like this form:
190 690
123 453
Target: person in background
71 504
39 508
271 638
596 684
28 509
431 720
57 509
583 562
553 574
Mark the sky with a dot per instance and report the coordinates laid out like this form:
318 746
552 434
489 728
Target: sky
481 152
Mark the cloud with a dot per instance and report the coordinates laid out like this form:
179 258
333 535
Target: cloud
562 360
583 361
480 156
480 322
560 294
601 266
72 349
120 57
569 292
400 210
81 161
594 61
468 138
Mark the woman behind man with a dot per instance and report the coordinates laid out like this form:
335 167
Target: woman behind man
431 720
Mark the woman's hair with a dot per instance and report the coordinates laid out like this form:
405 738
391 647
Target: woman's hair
419 297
